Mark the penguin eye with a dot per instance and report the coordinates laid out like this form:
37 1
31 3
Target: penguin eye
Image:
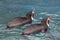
48 21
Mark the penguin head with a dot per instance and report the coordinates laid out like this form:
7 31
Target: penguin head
30 14
46 21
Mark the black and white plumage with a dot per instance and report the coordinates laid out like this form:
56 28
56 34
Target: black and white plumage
33 28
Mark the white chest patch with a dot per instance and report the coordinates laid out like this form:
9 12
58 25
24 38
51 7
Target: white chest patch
32 18
47 22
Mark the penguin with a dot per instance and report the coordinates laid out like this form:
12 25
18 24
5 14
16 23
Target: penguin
19 21
34 28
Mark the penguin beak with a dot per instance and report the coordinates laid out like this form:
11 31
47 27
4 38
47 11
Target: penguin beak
49 18
33 11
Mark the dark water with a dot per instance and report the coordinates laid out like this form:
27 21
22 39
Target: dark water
14 8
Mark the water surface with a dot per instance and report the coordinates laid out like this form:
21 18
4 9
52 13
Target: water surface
14 8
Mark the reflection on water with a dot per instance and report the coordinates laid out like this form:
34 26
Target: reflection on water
14 8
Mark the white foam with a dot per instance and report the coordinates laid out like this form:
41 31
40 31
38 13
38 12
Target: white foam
44 13
52 14
40 18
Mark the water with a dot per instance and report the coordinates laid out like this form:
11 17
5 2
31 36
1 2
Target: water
14 8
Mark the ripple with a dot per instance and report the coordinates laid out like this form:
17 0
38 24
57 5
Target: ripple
48 14
52 15
43 13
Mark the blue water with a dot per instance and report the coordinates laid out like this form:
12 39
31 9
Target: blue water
14 8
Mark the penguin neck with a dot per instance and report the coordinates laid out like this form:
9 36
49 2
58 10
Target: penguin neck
45 22
31 18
